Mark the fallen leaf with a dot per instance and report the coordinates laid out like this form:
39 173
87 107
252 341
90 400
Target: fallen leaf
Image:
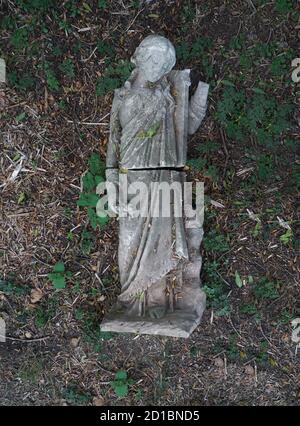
249 370
74 341
219 362
217 204
36 295
98 401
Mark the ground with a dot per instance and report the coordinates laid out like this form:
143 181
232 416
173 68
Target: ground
63 61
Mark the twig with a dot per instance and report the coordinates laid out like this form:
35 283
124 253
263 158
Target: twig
134 19
37 339
252 5
87 123
225 151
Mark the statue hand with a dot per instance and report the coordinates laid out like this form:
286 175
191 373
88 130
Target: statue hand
201 93
197 107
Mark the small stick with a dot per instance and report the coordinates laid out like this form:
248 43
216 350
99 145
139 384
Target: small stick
88 123
38 339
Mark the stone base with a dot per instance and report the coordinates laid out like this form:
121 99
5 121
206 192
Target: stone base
174 324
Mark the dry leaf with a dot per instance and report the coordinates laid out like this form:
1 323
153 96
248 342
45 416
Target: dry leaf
74 341
219 362
98 401
249 370
217 204
36 295
253 216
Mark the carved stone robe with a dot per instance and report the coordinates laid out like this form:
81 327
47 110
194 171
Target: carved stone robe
148 142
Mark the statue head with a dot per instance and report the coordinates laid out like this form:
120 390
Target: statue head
154 57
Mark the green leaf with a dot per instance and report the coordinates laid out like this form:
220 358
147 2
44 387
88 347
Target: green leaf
96 165
21 116
102 4
87 199
113 77
86 243
287 236
93 217
250 279
197 163
257 229
59 267
86 7
88 182
99 179
227 83
121 390
58 280
22 198
102 220
121 375
238 280
11 288
67 68
258 91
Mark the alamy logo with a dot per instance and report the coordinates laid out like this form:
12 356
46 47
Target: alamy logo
2 331
296 72
157 199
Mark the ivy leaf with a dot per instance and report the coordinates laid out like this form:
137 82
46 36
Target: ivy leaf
96 165
88 182
102 220
93 217
99 179
88 199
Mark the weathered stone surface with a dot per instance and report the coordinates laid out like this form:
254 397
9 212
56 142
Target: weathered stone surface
2 71
175 324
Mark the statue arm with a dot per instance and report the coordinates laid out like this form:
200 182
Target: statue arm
197 107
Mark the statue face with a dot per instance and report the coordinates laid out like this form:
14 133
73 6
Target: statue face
155 67
154 58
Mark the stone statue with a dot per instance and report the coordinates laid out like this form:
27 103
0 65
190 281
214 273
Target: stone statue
159 258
